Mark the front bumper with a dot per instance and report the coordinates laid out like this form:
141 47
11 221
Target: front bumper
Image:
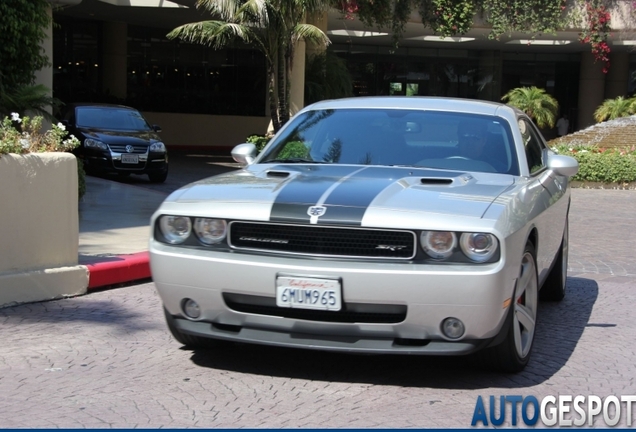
478 295
111 162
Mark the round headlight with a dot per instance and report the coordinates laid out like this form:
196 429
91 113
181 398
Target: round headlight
175 229
93 143
210 231
158 147
438 244
479 247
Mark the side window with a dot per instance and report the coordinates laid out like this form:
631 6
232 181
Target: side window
533 146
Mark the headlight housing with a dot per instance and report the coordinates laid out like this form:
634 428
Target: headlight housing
175 229
438 244
478 247
475 247
93 143
210 231
158 147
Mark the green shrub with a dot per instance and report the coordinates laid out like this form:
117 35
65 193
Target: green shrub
612 165
260 141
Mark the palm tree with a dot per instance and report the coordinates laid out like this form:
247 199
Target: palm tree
274 27
540 106
612 109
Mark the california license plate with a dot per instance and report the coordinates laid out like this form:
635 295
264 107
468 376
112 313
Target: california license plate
129 159
308 293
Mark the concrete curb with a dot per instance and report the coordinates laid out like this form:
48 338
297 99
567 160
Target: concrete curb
118 269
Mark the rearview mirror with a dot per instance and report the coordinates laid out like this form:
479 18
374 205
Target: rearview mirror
563 165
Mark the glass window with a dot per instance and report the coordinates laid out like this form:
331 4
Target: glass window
533 145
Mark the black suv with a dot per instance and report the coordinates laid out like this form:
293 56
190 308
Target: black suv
116 139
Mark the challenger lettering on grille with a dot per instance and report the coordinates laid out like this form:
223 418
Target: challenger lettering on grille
264 240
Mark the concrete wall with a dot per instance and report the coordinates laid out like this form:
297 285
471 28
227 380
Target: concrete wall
201 130
39 228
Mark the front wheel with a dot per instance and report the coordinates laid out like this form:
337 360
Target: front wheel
513 354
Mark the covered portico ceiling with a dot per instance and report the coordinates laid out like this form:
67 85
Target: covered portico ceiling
168 14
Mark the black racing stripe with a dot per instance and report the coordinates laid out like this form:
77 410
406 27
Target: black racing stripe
305 189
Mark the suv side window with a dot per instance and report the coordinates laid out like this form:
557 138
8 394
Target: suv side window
533 145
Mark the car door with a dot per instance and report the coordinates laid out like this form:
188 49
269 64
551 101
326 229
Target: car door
550 203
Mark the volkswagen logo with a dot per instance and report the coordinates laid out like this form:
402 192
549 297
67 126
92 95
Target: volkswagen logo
316 211
130 148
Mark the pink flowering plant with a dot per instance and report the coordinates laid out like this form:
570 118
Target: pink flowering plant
597 31
24 135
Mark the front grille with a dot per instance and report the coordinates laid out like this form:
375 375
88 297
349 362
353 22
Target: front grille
121 148
350 313
323 241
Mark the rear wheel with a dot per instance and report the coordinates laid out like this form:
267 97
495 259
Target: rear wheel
188 340
554 287
513 354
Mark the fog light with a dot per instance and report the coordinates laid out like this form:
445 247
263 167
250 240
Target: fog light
191 309
453 328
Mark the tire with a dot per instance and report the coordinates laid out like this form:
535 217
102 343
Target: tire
188 340
513 354
554 286
158 177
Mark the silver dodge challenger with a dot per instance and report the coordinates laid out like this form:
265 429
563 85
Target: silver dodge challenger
377 225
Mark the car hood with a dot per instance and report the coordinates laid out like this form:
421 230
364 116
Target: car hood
121 137
338 194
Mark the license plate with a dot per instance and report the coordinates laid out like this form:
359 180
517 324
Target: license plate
129 159
308 293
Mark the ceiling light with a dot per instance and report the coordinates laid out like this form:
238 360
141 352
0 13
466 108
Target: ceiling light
624 42
443 39
538 42
355 33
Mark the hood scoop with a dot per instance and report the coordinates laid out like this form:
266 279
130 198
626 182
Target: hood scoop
436 181
277 174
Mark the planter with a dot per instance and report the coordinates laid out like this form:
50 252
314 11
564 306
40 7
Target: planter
39 228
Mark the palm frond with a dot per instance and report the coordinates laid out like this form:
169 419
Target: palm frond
310 33
217 34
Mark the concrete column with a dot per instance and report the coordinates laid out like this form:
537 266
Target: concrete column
297 93
45 75
618 75
320 21
114 61
591 89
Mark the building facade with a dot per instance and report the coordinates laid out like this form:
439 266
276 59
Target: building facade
117 51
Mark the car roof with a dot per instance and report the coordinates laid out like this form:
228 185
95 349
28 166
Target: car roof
473 106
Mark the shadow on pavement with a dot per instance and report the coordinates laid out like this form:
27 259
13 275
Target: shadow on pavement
559 330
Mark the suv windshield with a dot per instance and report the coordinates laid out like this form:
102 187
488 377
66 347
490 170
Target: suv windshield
110 119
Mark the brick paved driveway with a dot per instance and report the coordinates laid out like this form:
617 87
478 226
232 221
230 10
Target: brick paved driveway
107 360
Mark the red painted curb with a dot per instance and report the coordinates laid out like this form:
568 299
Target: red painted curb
119 269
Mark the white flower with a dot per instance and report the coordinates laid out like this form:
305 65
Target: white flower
16 117
584 151
25 143
61 126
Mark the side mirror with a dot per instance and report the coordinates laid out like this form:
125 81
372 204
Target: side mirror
156 128
563 165
244 154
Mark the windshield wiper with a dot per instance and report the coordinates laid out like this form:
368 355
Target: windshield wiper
294 160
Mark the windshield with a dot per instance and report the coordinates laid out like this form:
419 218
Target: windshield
446 140
110 119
